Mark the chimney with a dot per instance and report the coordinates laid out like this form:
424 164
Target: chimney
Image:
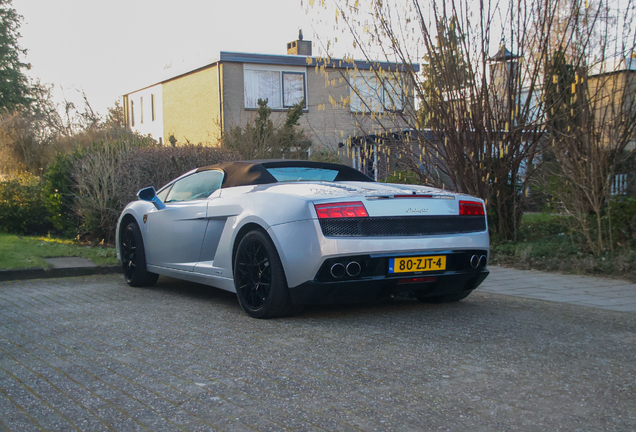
300 46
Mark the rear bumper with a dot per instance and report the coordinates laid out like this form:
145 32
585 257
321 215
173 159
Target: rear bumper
374 288
303 249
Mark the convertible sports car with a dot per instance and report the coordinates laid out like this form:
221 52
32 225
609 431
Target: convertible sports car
286 233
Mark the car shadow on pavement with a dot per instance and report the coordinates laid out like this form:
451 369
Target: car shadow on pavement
181 287
387 306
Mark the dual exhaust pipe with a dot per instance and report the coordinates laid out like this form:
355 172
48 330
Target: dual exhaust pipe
478 261
339 270
353 269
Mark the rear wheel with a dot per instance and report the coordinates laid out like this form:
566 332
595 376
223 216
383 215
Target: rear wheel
449 298
259 278
133 258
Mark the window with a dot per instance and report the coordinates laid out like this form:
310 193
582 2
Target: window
281 88
262 85
393 93
163 193
196 186
292 174
293 88
371 94
366 94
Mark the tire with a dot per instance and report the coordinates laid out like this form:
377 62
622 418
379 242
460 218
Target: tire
259 278
449 298
133 258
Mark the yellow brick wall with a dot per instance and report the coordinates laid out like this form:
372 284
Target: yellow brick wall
191 108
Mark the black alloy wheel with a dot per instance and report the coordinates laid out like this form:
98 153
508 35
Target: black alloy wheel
255 272
133 258
259 278
128 254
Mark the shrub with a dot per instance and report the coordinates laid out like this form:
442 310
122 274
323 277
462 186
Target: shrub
542 225
57 194
88 189
324 154
260 138
96 186
622 215
403 177
156 166
553 243
22 206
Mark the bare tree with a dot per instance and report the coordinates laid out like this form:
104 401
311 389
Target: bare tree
482 117
27 135
592 128
30 136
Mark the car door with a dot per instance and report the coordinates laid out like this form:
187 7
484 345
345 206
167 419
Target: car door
175 234
213 261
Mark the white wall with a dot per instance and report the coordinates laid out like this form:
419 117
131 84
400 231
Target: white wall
140 103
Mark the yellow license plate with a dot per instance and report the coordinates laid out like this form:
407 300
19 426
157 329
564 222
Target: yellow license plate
417 264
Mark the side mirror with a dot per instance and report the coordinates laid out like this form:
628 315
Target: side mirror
150 194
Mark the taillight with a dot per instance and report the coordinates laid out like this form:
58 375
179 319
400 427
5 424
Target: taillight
341 210
471 208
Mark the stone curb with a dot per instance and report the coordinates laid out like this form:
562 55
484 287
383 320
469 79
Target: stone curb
42 273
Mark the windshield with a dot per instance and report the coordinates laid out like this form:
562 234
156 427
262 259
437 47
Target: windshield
294 174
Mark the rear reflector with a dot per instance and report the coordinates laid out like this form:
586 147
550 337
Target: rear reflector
471 208
341 210
416 280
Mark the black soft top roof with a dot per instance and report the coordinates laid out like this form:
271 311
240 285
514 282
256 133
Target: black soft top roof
255 172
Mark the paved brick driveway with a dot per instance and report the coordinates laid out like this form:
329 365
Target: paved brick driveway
604 293
93 354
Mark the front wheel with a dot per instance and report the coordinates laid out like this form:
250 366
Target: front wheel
133 258
259 278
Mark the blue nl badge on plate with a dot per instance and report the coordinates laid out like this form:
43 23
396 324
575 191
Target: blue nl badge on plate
391 265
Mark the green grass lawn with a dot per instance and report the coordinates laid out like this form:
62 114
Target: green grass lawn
23 251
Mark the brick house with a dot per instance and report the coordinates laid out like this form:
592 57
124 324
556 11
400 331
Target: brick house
611 88
344 98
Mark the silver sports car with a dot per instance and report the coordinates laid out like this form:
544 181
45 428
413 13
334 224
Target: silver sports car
286 233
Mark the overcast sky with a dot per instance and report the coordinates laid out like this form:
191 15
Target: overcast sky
108 48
